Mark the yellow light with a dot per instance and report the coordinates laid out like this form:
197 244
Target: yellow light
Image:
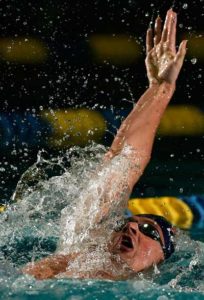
23 50
2 208
182 120
118 49
75 127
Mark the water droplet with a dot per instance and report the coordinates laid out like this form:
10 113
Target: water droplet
181 190
194 61
162 297
185 6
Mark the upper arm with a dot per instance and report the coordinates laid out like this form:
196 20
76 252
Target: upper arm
104 198
135 163
121 172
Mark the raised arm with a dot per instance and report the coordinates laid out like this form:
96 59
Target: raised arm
163 64
138 130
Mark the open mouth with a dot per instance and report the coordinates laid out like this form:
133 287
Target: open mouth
126 243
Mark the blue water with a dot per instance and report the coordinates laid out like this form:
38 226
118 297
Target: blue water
21 287
78 290
30 230
181 277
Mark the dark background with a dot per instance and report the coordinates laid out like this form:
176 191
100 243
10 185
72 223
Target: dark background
71 77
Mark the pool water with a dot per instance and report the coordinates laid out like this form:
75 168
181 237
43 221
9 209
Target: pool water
179 278
29 230
78 290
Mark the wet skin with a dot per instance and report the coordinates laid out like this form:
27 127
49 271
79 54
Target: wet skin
163 63
137 250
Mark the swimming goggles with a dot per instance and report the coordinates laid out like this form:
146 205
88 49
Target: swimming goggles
167 229
144 227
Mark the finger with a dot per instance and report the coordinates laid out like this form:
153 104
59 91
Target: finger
149 57
166 26
181 53
171 37
157 31
149 42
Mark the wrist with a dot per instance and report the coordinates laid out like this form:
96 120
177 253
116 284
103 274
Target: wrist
168 86
164 84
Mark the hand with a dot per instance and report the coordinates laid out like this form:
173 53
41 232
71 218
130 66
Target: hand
163 63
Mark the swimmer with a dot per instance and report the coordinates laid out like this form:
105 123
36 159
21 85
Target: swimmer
141 241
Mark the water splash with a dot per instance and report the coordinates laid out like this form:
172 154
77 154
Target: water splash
61 200
42 192
33 227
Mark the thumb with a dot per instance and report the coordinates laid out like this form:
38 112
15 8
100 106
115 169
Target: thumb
181 53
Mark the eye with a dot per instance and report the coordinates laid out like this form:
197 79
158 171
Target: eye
150 231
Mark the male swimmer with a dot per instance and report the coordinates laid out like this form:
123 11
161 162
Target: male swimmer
142 241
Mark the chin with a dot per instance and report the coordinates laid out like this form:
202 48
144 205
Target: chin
137 265
127 255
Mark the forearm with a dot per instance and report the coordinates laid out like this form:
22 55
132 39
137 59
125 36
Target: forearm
139 128
142 123
48 267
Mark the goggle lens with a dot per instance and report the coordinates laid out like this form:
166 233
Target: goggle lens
150 231
146 228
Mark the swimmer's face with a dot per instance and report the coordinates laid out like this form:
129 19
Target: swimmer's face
135 247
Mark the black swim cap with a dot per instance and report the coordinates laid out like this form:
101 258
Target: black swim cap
167 231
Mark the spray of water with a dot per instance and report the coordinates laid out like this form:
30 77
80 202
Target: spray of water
74 210
59 205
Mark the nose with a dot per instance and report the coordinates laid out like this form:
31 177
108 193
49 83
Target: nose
131 227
